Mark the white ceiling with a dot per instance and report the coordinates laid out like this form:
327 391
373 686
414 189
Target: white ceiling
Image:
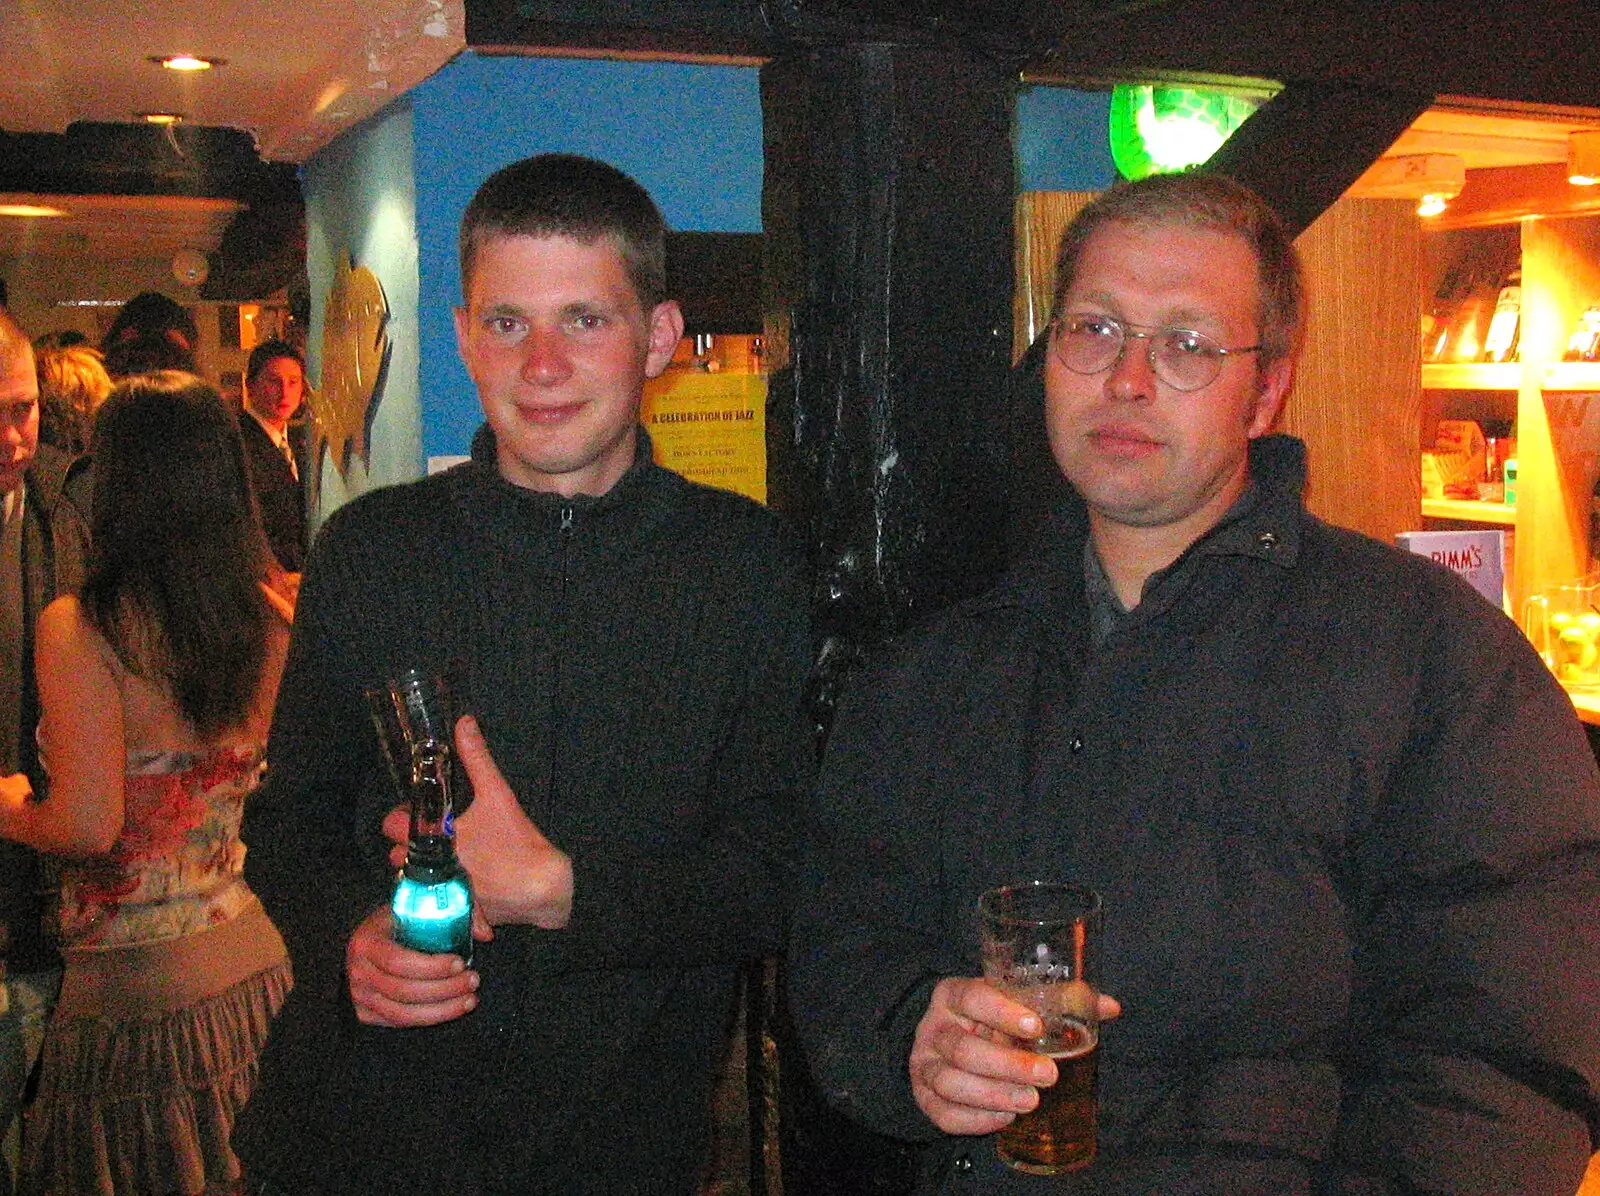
297 71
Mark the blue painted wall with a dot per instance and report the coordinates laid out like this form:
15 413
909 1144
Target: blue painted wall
1062 140
360 199
690 134
393 190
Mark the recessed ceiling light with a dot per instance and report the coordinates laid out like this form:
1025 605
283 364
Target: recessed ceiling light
29 209
186 62
160 118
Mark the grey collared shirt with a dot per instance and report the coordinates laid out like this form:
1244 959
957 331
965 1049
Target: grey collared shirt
1106 611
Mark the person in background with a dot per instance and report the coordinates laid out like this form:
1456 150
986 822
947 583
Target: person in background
156 684
274 388
1343 819
44 535
635 648
72 384
64 338
151 332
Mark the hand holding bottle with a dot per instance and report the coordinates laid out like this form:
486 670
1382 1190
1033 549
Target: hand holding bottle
391 985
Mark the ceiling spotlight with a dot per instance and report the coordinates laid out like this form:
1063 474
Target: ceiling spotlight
160 118
186 62
1583 157
1431 179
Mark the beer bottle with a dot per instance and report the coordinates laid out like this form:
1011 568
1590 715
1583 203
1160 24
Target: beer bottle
1500 342
1470 323
1436 323
1584 343
432 903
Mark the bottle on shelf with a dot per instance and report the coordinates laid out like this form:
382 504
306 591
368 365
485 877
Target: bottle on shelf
1470 325
1500 341
1594 528
1584 343
1497 446
1436 323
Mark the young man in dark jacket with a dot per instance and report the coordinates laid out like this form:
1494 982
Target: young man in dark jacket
274 388
44 534
635 649
1344 822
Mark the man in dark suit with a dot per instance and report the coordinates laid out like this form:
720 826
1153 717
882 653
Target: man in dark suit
275 385
43 537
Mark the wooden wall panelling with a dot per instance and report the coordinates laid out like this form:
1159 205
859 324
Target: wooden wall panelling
1040 218
1558 431
1357 395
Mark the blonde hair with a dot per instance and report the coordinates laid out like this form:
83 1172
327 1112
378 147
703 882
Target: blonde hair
1215 203
72 384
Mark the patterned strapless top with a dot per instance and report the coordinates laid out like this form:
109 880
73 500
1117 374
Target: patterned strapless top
178 867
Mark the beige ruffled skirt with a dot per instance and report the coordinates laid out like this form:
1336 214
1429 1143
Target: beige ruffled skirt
145 1070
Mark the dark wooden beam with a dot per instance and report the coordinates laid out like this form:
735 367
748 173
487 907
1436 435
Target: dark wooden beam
716 279
1539 51
93 158
1303 148
263 248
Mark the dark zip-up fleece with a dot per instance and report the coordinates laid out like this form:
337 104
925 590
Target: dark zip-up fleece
1348 834
637 662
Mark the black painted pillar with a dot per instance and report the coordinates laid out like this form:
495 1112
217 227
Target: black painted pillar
888 220
888 271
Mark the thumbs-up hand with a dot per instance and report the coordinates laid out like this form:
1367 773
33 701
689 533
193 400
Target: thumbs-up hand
518 876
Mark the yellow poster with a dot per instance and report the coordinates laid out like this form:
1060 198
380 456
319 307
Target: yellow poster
711 428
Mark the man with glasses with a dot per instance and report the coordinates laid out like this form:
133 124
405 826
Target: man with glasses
1344 822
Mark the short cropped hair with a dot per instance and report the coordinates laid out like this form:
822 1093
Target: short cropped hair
267 352
1214 203
564 195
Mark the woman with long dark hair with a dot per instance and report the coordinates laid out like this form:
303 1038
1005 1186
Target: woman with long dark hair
156 685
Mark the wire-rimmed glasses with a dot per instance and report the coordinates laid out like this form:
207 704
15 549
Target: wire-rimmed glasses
1181 357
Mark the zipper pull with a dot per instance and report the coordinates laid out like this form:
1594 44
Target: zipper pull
566 520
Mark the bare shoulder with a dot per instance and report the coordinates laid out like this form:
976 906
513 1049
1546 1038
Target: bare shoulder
64 627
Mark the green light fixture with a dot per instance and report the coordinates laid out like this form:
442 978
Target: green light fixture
1162 130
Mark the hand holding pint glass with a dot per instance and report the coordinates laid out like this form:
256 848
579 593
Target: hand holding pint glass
1037 943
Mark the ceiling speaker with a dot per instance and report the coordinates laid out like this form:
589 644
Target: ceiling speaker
189 266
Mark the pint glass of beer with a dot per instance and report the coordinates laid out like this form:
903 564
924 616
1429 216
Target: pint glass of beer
1037 949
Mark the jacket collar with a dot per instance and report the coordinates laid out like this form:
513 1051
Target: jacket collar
1267 528
629 511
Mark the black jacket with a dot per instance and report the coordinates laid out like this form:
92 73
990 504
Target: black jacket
55 542
1346 827
637 662
279 495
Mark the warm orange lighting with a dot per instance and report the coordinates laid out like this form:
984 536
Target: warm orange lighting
30 210
187 62
1583 157
160 118
1433 205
